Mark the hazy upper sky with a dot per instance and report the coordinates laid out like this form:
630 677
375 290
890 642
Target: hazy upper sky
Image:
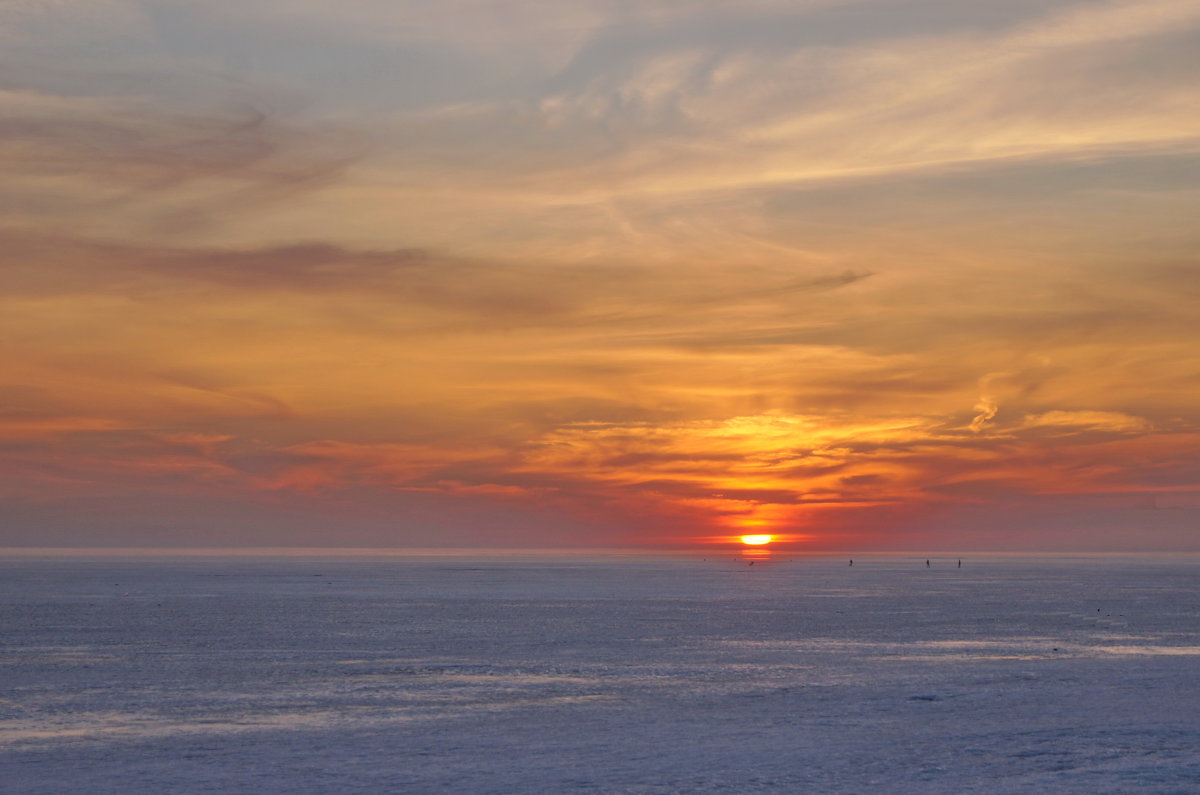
870 274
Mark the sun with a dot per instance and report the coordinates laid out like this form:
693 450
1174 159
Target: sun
756 540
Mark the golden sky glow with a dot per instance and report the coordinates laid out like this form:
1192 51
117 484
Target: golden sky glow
893 274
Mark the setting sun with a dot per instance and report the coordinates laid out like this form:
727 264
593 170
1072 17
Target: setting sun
756 540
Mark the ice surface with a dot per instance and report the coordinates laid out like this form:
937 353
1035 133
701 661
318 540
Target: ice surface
622 674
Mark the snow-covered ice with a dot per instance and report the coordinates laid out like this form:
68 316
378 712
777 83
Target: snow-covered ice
619 674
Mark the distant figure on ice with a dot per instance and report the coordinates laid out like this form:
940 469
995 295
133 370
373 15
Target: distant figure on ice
960 564
926 564
851 562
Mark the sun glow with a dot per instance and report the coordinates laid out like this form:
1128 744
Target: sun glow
756 540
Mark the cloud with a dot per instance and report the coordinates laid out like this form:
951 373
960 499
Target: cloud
986 406
662 114
126 162
1099 420
773 470
664 268
541 294
71 457
18 427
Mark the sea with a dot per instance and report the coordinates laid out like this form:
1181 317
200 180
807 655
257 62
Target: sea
482 671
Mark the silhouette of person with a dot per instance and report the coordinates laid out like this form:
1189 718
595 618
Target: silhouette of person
926 564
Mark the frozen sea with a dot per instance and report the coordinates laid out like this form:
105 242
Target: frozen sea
621 674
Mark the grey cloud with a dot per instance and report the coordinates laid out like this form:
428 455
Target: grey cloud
175 159
785 28
535 293
781 289
27 400
133 143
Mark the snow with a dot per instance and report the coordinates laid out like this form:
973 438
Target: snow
629 674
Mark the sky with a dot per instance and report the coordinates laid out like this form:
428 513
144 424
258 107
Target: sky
862 274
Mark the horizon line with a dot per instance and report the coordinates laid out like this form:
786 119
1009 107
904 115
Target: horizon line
310 551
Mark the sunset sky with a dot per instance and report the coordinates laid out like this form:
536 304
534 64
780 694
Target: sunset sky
864 274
